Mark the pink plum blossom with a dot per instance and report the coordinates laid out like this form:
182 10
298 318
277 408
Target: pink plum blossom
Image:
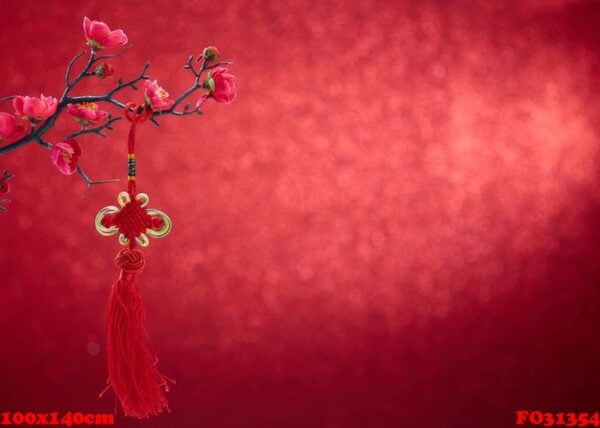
155 96
87 113
12 127
99 35
35 108
65 156
221 85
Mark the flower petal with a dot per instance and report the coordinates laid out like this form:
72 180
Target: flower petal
99 31
86 26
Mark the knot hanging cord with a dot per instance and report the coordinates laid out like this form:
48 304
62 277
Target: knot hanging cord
132 370
134 113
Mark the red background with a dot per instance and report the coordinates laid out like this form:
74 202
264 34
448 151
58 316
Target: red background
395 224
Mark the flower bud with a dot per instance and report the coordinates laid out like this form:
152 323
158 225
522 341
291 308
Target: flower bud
209 83
104 70
210 54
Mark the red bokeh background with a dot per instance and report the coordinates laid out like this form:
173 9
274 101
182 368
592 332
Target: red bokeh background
395 224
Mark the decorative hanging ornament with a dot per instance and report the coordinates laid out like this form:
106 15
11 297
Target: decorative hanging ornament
132 371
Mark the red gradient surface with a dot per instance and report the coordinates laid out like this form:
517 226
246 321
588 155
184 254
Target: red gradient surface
394 225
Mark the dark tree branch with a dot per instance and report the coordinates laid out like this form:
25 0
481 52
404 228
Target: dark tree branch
195 86
121 52
190 66
109 96
43 142
142 76
41 128
97 130
66 99
89 182
6 176
70 66
14 146
83 73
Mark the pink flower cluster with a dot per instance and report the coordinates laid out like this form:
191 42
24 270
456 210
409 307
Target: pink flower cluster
31 110
28 111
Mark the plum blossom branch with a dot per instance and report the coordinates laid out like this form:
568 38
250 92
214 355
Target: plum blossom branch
195 86
109 96
34 117
66 99
88 181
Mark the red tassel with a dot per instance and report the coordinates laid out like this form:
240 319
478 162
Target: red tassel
132 369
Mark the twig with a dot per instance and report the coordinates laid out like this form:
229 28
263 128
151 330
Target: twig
6 176
109 96
97 130
7 98
43 142
121 52
89 182
190 65
195 86
142 76
70 66
83 73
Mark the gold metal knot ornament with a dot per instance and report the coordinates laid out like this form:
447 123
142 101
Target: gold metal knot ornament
133 220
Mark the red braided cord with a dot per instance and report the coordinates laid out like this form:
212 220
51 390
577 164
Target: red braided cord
135 113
